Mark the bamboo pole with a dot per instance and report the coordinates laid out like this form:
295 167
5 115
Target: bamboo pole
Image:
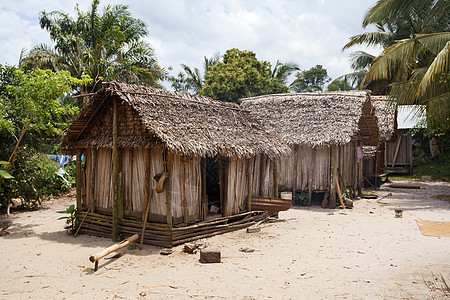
147 208
96 257
78 177
250 184
185 206
115 155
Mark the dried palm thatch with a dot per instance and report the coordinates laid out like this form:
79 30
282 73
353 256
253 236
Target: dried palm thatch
183 123
317 119
385 112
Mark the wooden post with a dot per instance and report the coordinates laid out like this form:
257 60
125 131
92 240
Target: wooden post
92 185
200 191
185 206
332 177
221 184
78 177
115 156
204 200
169 188
295 185
359 172
310 175
275 180
250 184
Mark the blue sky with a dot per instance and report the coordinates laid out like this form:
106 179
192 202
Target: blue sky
183 32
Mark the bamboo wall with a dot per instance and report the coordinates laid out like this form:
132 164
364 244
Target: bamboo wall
307 164
97 186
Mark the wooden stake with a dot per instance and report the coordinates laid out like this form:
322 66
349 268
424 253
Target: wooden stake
78 177
147 208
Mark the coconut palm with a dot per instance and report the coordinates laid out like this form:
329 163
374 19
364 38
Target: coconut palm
105 46
282 71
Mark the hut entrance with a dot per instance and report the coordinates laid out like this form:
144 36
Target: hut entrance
212 186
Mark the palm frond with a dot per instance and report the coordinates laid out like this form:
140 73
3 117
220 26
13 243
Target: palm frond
439 66
371 39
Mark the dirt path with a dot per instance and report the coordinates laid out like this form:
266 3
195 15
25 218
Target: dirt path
310 253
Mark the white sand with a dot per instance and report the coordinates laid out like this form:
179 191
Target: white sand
364 253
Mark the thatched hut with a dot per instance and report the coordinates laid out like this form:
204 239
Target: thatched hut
179 157
325 132
374 156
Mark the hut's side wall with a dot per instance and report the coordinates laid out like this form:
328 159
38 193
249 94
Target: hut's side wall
307 164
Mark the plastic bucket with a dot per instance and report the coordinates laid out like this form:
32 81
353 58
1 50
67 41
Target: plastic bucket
398 213
286 195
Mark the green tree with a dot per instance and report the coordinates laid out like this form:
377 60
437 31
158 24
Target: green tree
32 109
340 85
282 71
106 46
240 75
311 80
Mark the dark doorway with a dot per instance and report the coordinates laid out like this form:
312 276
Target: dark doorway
212 186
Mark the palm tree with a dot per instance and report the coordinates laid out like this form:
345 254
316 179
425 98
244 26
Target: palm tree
282 71
105 46
395 20
192 80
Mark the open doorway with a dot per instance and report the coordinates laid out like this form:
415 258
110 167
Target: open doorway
212 186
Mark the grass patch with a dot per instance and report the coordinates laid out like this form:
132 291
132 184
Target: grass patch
438 169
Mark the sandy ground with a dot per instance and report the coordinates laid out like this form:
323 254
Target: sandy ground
310 253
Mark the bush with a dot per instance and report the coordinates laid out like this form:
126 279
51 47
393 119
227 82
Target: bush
34 179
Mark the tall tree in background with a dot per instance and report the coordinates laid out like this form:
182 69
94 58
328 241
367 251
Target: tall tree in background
240 75
105 46
192 80
417 66
394 20
312 80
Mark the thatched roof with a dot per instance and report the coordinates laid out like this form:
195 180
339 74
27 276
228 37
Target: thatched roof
183 123
385 112
317 119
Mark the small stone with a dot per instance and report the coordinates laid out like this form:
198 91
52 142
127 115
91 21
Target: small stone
348 203
209 256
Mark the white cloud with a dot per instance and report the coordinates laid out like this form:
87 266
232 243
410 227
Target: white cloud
305 32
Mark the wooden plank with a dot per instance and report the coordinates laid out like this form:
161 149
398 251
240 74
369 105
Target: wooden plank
147 180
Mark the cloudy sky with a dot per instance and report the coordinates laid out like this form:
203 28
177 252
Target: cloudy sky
306 32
